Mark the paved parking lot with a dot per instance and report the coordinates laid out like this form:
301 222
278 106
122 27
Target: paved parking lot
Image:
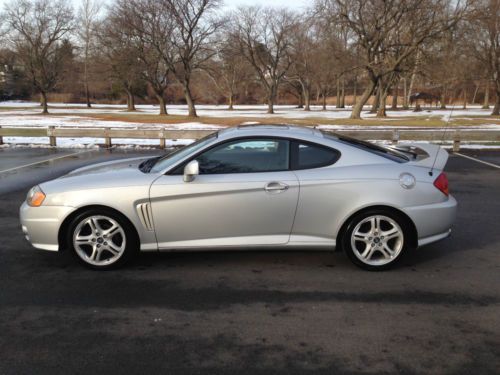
253 312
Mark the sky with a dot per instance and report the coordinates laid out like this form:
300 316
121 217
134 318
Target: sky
292 4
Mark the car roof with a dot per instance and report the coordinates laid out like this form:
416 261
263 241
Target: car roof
270 130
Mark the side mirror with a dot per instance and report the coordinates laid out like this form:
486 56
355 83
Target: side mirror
191 170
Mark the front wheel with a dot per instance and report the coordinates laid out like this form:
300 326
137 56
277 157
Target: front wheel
102 239
376 240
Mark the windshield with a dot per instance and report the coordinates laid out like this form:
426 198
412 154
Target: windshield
388 153
168 160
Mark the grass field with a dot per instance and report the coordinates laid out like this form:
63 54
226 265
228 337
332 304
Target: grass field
215 115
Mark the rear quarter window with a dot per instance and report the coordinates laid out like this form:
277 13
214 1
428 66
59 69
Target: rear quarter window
372 148
310 155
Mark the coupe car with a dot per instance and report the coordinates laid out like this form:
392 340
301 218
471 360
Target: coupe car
250 187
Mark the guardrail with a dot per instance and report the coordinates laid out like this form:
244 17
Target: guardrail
393 135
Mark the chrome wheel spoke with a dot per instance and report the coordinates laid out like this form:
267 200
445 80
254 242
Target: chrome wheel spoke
112 231
386 252
363 237
368 252
391 233
114 248
94 254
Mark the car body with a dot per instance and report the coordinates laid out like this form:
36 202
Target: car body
250 187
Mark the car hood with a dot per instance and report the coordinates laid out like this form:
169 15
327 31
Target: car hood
109 166
113 174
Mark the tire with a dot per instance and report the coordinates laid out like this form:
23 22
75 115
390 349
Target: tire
377 240
101 239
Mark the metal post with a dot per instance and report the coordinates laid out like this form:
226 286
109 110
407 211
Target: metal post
52 138
395 137
107 138
162 140
1 138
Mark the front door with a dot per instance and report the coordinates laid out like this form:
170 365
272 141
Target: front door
244 195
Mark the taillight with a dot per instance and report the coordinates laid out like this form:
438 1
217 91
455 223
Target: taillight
442 184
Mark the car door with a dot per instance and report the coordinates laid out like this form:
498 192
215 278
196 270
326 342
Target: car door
321 193
245 194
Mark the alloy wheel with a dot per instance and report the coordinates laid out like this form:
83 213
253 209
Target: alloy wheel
99 240
377 240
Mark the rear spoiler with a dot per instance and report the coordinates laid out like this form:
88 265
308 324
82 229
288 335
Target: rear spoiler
426 155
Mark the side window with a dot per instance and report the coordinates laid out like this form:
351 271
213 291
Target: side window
307 156
246 156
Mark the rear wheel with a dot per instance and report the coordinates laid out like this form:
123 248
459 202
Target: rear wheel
376 240
101 239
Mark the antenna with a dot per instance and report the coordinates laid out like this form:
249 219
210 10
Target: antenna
442 138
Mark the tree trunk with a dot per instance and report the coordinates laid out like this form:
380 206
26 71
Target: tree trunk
496 108
87 96
43 102
189 100
301 101
443 97
475 94
86 78
270 105
405 95
465 98
395 96
323 97
163 106
358 107
413 75
376 101
231 102
486 103
271 97
130 101
354 94
381 112
337 104
307 98
342 93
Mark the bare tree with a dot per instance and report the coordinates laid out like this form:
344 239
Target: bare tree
194 23
145 28
264 39
227 69
87 22
37 28
120 58
486 22
303 54
389 32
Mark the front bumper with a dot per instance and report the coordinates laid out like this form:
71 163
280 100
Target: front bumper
41 225
433 221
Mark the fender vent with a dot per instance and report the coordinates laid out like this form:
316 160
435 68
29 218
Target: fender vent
144 211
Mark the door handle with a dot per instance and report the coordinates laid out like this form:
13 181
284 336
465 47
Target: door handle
276 187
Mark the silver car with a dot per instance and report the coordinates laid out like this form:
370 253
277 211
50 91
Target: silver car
249 187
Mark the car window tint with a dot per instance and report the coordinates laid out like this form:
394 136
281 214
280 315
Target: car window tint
246 156
373 148
314 156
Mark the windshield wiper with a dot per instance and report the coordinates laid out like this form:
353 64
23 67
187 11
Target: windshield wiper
147 164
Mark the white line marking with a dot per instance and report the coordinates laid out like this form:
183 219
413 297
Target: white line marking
478 160
44 161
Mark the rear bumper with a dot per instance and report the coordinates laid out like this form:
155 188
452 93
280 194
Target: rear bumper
41 225
433 221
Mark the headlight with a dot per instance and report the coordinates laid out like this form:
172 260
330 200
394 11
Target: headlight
35 197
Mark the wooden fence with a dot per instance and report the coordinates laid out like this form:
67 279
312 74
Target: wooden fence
108 134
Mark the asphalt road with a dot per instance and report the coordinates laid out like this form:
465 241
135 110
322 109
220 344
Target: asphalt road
254 312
